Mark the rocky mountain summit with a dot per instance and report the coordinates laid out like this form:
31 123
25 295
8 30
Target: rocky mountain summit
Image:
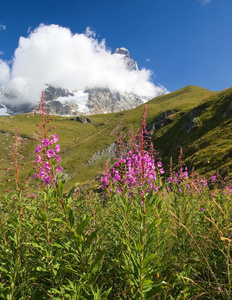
89 101
123 53
96 100
62 101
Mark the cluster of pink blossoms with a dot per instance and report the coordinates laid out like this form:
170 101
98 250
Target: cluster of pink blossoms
194 186
46 158
136 170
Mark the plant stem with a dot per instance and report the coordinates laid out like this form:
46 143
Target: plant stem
228 269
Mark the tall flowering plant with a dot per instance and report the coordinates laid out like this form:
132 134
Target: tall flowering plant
132 184
47 150
134 170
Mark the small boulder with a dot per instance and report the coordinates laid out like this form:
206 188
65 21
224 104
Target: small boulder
83 120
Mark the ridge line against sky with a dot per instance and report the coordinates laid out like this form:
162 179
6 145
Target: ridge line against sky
182 43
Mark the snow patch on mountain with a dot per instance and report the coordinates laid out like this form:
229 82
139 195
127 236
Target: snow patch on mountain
3 110
80 98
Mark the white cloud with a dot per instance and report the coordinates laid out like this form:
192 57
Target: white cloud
4 73
1 53
53 55
2 27
204 2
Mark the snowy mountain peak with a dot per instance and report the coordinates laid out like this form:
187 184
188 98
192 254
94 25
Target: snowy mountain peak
122 51
124 54
84 100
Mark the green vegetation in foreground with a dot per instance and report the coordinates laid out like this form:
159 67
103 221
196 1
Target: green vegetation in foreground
80 142
145 239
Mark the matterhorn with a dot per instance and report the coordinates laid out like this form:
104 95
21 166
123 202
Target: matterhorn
66 102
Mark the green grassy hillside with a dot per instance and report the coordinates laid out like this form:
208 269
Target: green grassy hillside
207 145
204 132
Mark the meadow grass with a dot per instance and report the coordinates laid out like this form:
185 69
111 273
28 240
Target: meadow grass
148 233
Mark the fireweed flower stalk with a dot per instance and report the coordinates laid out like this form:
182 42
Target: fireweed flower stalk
133 184
47 150
136 170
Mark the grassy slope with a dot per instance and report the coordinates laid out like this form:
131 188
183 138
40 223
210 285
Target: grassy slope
80 141
207 147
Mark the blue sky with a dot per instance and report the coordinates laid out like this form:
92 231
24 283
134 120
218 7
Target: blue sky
182 42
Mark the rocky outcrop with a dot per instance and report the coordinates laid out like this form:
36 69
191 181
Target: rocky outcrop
191 122
228 110
19 109
105 100
57 108
106 153
52 93
161 121
83 120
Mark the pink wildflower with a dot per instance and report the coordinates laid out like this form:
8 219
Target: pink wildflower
159 164
58 158
59 169
213 178
39 159
51 153
38 149
47 166
161 171
55 138
45 142
47 180
57 148
117 191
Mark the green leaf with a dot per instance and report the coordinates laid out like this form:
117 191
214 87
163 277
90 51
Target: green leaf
105 294
96 265
72 190
69 200
149 257
82 225
43 215
36 245
71 217
3 270
54 271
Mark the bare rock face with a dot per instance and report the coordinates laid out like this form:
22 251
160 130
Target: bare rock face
83 120
52 93
57 108
227 111
161 121
97 101
104 101
191 122
123 53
